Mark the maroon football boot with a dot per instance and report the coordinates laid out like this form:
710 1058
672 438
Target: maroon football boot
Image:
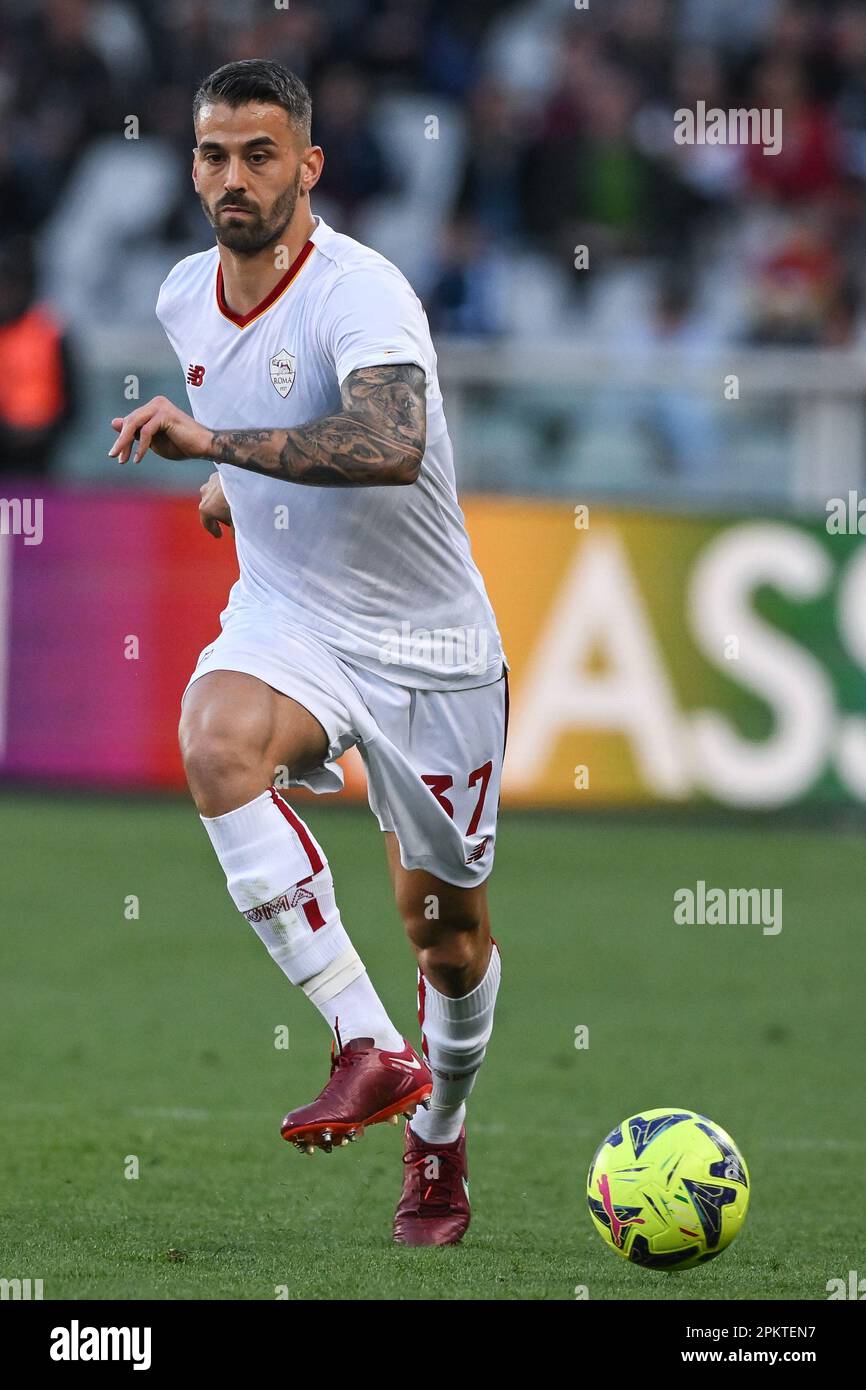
434 1204
367 1085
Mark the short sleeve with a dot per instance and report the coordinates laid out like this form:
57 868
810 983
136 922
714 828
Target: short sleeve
372 317
165 308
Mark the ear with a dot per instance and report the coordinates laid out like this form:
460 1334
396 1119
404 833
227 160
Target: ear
311 168
195 170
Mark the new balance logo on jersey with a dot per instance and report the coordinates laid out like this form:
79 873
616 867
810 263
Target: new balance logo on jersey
478 851
195 374
282 369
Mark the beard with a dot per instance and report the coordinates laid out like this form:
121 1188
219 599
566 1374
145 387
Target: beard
246 236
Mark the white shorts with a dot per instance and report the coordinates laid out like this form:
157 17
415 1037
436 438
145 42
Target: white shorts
433 758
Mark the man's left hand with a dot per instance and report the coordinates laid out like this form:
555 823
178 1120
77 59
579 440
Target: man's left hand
160 426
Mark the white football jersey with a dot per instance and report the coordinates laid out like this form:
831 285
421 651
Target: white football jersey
383 575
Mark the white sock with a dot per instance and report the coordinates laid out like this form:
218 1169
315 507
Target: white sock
278 877
456 1033
358 1012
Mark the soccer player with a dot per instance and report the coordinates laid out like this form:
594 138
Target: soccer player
359 619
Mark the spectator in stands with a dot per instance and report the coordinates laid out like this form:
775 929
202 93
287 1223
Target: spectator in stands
23 207
640 42
848 41
36 389
841 326
682 425
490 183
64 94
391 42
469 283
810 161
592 185
355 167
795 284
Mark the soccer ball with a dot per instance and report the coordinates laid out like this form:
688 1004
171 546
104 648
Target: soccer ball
668 1189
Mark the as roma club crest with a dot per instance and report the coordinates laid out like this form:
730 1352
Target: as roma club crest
282 369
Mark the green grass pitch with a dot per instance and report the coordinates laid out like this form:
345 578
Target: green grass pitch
154 1038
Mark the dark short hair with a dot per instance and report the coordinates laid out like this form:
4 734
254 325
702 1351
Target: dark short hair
258 79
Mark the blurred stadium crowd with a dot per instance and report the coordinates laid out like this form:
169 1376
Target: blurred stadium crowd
476 144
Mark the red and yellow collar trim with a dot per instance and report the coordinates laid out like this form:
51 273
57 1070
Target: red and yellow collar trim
243 320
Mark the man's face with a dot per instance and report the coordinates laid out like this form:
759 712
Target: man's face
247 169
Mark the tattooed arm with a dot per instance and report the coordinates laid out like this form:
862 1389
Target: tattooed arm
377 439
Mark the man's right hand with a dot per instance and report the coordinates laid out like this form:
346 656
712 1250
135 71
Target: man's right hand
213 507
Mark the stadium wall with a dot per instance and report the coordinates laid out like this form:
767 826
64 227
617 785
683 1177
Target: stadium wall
655 659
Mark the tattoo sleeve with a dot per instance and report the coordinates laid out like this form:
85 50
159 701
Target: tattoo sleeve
376 440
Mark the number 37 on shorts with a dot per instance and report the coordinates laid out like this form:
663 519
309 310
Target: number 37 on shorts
466 791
